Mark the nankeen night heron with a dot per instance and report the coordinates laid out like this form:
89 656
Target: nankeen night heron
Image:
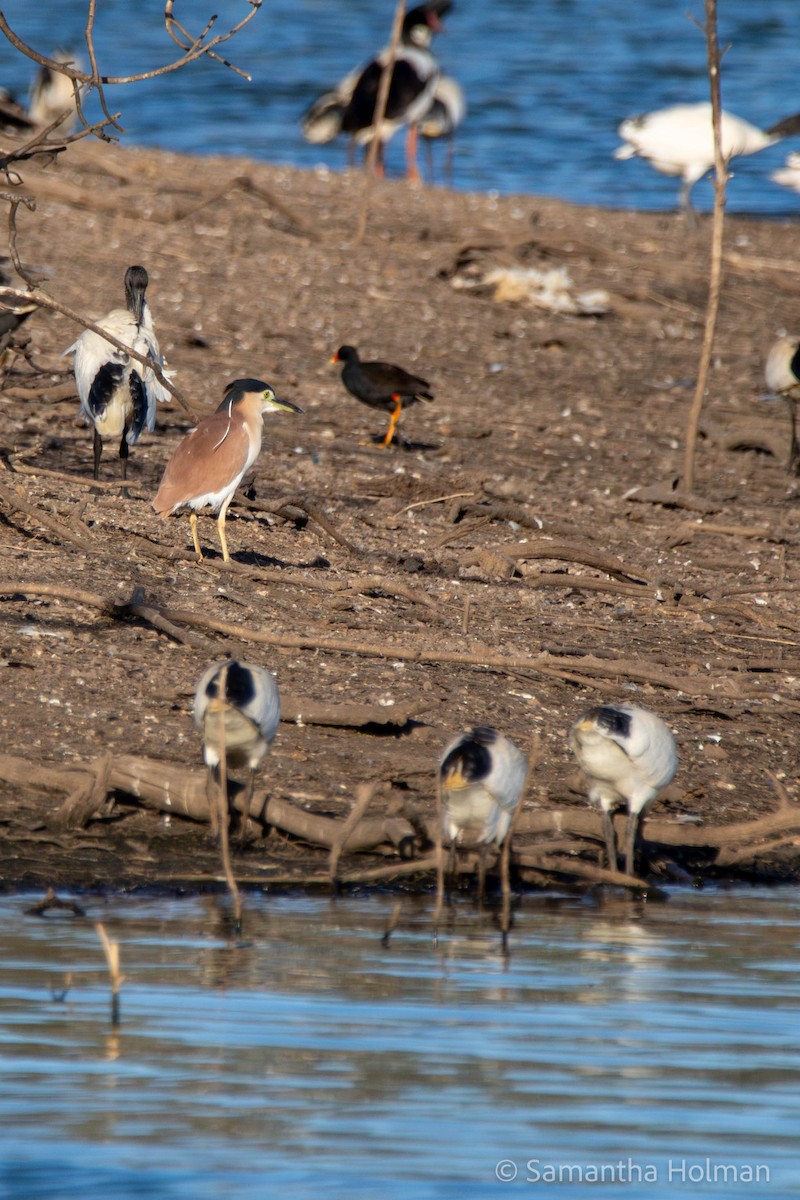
237 711
482 775
118 394
445 113
381 385
782 373
52 96
209 463
627 755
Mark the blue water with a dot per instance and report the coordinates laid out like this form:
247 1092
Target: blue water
658 1044
548 81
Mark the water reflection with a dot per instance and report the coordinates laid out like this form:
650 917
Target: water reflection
310 1055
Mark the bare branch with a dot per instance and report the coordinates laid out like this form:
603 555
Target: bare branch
11 295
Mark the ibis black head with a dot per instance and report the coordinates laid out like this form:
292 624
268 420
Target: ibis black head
136 281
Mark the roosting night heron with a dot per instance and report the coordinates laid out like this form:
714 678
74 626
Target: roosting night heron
482 775
208 465
680 140
782 374
445 113
627 755
350 107
237 711
52 96
117 393
381 385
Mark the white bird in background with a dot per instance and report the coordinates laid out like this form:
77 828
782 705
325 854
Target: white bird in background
627 755
237 710
680 140
117 394
482 775
789 174
447 110
782 372
52 95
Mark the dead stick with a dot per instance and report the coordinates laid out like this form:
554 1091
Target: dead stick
377 119
363 797
439 857
715 278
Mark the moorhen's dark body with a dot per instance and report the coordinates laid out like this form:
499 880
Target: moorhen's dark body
381 385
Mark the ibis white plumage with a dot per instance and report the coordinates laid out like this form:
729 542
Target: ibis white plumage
627 755
237 711
118 394
782 373
679 140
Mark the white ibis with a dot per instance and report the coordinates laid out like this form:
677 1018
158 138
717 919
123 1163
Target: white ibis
680 140
118 395
627 755
789 174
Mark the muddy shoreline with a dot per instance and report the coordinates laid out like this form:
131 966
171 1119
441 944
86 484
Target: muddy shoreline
516 558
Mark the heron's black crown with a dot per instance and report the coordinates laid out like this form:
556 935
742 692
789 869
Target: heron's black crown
240 687
613 720
240 387
472 754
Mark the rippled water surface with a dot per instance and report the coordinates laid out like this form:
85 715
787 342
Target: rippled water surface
659 1045
547 83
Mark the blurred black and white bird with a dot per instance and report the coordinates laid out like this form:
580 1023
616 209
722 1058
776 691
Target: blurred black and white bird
679 140
118 394
782 373
350 107
789 174
482 776
237 711
12 315
627 755
52 96
447 110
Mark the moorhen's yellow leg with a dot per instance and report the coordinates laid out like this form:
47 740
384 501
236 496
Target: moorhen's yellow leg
394 418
